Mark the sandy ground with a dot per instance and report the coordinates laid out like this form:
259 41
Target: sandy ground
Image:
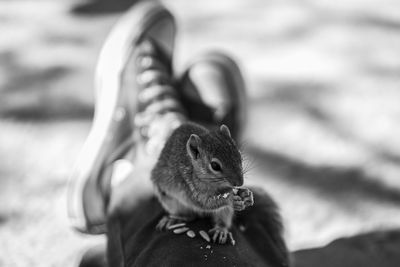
323 129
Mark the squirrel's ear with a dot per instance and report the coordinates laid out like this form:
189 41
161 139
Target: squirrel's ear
193 146
225 130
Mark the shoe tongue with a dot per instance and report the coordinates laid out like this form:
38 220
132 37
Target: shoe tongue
162 33
148 47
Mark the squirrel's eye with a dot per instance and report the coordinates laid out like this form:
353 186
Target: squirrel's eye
216 166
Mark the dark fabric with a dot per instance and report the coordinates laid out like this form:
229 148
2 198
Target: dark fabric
94 257
132 237
377 249
133 240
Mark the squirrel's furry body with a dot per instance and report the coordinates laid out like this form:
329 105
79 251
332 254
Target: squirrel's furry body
186 189
185 183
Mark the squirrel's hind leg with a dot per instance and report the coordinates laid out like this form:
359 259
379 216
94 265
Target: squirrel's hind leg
220 232
176 212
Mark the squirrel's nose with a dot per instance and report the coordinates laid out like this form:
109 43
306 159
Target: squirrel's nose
237 180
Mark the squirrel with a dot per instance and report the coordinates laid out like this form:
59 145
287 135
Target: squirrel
199 173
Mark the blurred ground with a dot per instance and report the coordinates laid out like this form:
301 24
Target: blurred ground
323 130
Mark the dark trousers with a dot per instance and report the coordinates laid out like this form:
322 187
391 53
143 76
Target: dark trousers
133 241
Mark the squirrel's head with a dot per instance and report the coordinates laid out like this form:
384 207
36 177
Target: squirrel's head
217 163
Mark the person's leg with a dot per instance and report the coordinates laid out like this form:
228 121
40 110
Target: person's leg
219 100
153 98
131 206
222 73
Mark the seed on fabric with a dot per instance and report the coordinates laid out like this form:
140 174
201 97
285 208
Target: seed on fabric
204 235
181 230
178 225
190 234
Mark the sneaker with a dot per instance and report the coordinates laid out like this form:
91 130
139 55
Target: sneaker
159 112
133 46
213 92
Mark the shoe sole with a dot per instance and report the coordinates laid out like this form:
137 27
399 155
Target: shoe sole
112 110
236 84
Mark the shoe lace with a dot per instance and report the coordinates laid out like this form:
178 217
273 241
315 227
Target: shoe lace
159 109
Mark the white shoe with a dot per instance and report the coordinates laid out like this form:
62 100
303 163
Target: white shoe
145 27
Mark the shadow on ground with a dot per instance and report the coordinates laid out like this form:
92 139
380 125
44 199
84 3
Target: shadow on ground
367 250
335 183
40 93
98 7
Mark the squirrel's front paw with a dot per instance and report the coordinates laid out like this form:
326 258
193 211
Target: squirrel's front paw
221 235
169 222
243 199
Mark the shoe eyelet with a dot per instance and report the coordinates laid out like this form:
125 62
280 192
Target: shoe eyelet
144 131
146 62
119 114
